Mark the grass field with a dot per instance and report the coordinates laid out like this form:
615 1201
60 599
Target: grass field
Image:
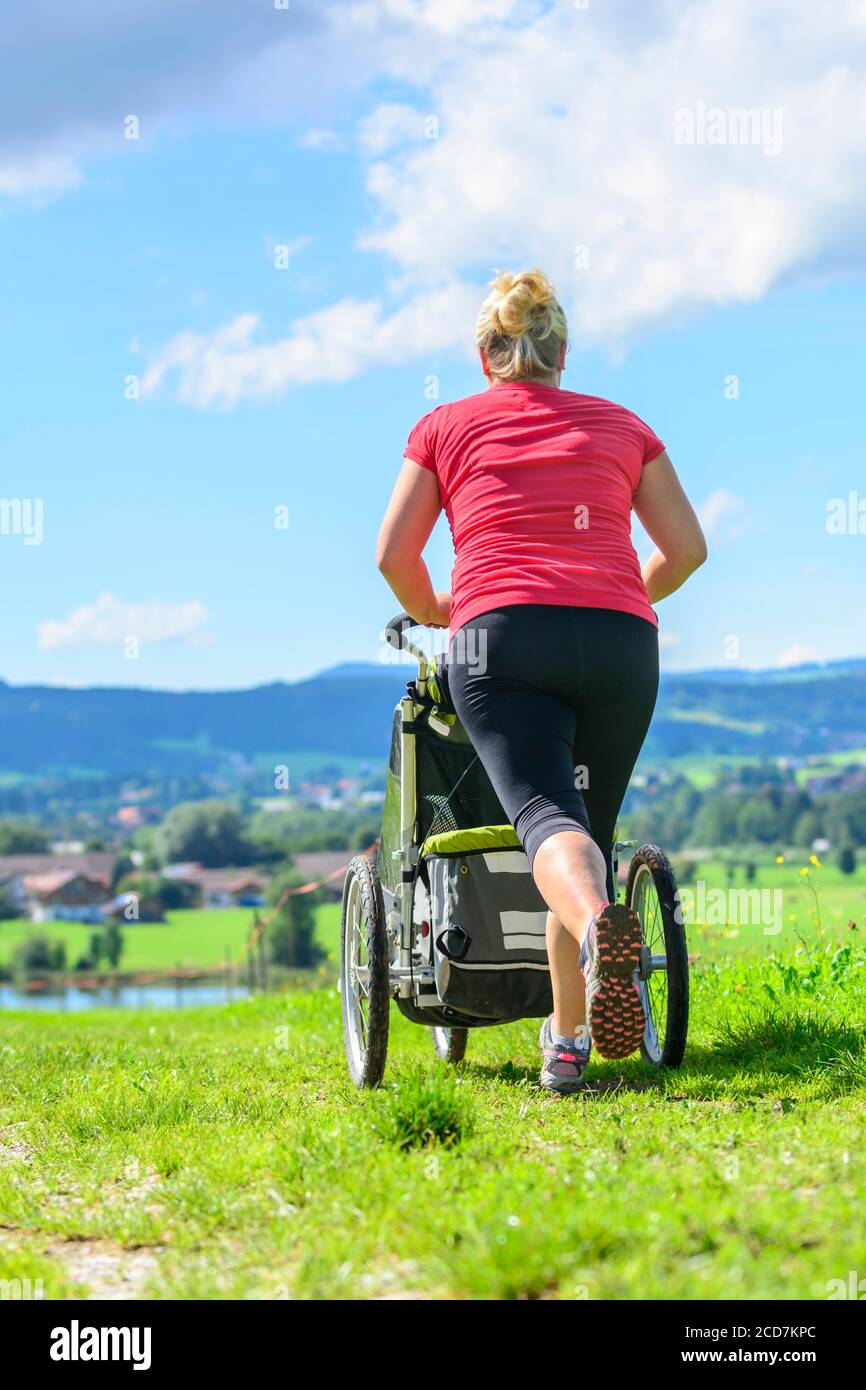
191 937
223 1152
200 937
703 769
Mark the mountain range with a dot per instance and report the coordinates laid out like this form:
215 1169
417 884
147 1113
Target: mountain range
345 712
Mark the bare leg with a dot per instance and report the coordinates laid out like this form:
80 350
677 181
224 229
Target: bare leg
570 872
569 996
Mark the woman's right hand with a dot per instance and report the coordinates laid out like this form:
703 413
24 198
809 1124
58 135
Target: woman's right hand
440 615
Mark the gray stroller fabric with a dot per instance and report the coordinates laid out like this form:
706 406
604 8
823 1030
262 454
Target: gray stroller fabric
488 920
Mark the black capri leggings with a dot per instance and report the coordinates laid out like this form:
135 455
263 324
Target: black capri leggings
557 702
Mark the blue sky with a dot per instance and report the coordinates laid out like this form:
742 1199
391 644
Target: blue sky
264 387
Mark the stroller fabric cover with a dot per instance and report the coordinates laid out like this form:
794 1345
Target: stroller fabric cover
487 917
487 926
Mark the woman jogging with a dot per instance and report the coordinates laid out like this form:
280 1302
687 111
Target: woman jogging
553 662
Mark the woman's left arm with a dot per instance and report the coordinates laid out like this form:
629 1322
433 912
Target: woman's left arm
412 513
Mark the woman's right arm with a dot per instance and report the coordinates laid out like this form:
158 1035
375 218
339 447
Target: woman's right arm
669 519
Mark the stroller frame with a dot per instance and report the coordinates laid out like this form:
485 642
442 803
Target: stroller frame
379 954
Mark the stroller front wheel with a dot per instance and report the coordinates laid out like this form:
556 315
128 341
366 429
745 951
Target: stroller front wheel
450 1044
365 996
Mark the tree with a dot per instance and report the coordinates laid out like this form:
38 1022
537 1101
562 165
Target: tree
39 954
205 832
106 944
8 906
20 837
758 820
716 821
123 865
291 931
846 859
112 942
806 829
175 892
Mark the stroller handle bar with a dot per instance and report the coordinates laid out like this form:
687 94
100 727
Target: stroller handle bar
396 636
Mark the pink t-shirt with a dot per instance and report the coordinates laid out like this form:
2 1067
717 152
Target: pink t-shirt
537 484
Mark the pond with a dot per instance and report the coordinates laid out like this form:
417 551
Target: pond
183 994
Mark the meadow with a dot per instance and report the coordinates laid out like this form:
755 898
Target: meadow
204 937
223 1153
191 937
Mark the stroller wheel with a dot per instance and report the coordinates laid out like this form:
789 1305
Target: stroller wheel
364 973
450 1043
663 974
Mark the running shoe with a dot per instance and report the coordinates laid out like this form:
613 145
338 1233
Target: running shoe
564 1065
609 957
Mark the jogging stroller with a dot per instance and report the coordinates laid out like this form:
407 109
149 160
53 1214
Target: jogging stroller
447 921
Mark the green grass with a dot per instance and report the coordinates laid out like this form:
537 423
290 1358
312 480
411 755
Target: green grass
223 1152
191 937
702 769
200 937
722 721
831 763
823 899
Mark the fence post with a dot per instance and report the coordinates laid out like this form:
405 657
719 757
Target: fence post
263 963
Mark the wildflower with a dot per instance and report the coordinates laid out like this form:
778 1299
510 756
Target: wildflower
813 859
780 858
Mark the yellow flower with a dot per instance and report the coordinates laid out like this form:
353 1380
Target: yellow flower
804 873
780 858
813 859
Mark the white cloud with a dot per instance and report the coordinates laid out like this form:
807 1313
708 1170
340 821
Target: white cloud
38 180
723 515
317 138
558 130
110 621
798 655
333 344
388 125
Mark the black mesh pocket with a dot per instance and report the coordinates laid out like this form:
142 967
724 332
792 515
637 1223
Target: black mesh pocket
453 790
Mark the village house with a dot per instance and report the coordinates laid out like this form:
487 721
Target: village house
132 907
58 887
324 864
221 887
65 895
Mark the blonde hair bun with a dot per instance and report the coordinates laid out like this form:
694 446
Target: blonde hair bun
520 301
521 327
